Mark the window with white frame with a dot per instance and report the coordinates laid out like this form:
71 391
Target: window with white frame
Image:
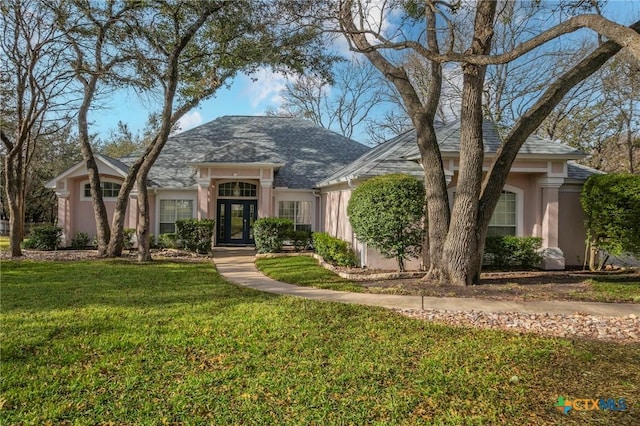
298 211
109 189
173 210
504 220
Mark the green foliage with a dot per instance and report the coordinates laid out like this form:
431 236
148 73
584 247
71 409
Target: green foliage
612 209
300 239
196 234
169 240
386 212
44 237
334 250
128 234
509 251
80 241
270 232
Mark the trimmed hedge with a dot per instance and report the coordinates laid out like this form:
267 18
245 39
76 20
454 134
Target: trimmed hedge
387 212
196 234
44 237
502 252
270 232
169 240
612 212
80 241
334 250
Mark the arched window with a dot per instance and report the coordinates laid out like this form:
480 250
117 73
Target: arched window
237 189
109 189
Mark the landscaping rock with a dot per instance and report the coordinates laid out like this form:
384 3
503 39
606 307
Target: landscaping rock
621 330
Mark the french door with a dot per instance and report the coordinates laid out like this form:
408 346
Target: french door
234 224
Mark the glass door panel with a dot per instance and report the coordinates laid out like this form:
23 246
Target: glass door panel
237 221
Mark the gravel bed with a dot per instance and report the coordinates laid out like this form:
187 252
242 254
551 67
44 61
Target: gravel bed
579 326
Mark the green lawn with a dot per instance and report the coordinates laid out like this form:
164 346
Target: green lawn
304 271
111 341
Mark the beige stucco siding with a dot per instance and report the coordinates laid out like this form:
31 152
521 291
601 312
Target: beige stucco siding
572 233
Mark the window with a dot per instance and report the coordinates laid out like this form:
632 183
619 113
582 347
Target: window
299 212
109 189
172 210
504 220
237 189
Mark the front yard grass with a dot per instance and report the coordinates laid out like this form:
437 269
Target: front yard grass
4 243
304 271
169 342
622 287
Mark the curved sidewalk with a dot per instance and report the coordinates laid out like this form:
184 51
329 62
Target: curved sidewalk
237 266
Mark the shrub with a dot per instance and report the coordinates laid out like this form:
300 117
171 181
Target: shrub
169 240
81 240
270 232
300 239
502 252
612 213
196 234
128 234
44 237
334 250
387 212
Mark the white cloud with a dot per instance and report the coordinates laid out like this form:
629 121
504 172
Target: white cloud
189 121
264 88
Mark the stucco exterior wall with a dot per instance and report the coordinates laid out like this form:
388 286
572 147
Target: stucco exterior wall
572 233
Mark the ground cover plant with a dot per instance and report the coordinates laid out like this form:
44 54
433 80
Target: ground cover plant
304 271
172 343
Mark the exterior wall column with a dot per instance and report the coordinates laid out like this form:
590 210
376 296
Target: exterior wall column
553 257
64 217
266 195
132 221
203 198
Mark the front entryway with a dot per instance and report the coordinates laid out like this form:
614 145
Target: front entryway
234 224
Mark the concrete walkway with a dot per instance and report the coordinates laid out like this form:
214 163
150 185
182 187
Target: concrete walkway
237 265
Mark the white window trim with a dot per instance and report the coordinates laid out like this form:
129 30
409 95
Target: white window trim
519 205
311 206
174 198
86 181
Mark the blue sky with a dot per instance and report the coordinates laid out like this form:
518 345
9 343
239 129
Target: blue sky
247 96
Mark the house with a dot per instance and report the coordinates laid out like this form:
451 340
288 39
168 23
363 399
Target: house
238 168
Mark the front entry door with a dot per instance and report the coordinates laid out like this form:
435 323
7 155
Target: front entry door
235 221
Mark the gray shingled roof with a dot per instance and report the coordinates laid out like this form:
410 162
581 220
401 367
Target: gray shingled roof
579 172
401 154
308 153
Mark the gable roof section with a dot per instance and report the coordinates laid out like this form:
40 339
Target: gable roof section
308 153
105 164
401 154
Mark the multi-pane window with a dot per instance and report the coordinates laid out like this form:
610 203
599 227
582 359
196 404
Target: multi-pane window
237 189
299 212
504 219
109 189
172 210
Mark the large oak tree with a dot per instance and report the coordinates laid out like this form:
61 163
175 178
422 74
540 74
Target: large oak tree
456 237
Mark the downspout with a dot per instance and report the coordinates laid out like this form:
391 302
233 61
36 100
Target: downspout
318 209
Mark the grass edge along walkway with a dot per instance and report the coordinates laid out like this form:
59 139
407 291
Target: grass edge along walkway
239 267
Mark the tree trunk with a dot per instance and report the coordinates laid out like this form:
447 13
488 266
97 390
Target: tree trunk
462 246
144 249
16 221
99 209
